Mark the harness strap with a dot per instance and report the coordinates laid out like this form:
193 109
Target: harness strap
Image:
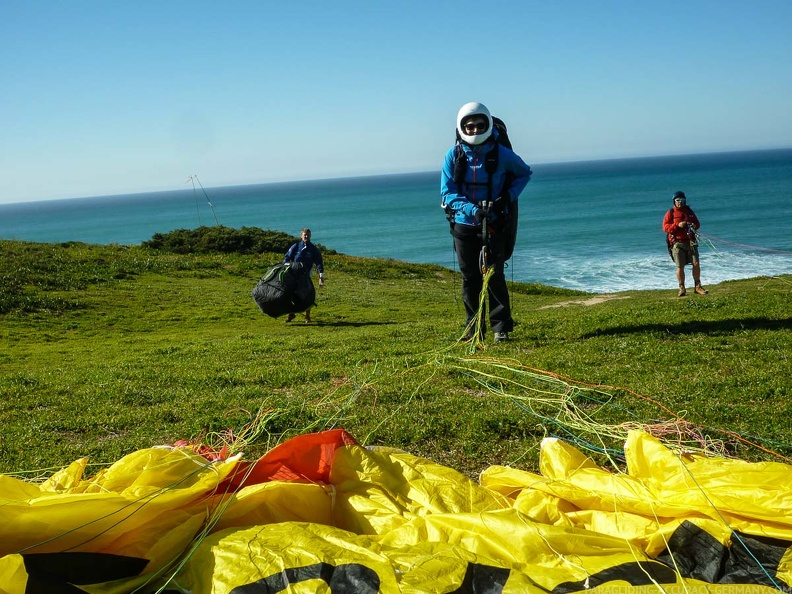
461 166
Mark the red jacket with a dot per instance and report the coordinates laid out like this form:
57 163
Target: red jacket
675 216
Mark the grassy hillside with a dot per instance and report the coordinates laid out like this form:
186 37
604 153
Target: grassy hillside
107 349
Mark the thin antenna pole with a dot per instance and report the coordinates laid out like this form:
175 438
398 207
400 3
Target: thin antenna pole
193 179
195 193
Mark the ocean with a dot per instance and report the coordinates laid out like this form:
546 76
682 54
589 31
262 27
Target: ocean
593 226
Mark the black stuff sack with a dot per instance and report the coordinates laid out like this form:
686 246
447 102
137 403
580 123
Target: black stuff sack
284 289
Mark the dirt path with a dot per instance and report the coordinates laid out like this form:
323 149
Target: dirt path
590 301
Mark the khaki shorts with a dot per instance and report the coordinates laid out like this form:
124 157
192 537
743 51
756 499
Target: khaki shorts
684 253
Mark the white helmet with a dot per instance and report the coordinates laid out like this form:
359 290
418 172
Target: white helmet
474 109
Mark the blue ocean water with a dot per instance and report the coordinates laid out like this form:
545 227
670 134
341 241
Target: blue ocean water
594 226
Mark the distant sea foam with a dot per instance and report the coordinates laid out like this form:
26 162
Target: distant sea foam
593 226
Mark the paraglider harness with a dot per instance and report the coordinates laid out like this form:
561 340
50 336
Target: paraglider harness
671 240
285 288
506 210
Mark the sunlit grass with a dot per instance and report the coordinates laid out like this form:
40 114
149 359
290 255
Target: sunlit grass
107 349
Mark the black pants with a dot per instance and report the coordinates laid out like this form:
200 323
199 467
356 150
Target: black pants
467 244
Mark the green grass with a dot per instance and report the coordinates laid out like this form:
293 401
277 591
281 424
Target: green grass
107 349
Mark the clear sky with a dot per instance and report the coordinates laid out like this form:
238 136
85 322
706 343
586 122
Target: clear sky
113 97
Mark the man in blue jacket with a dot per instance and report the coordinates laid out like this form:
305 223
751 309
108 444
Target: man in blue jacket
480 183
308 255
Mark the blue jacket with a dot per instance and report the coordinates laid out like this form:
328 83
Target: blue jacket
463 201
307 254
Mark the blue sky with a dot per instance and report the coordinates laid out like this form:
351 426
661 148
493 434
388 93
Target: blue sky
102 98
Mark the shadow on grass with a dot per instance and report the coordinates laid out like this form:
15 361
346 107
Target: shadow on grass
718 327
342 324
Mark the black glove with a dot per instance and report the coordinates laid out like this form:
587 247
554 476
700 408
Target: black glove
480 215
501 205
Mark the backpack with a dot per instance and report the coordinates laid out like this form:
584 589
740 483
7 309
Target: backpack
507 213
284 289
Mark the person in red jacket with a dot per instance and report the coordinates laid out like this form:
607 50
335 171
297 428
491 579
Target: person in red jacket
680 222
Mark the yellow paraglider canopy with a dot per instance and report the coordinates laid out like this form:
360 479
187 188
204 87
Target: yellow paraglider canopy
322 513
